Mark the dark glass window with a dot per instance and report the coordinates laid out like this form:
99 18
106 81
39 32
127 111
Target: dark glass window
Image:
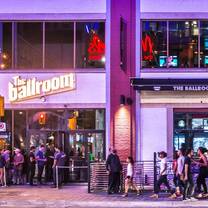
29 51
154 44
20 140
183 44
204 44
59 48
90 45
5 45
190 130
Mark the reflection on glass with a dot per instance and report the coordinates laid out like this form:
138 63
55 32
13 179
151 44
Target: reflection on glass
203 43
29 45
183 43
5 45
90 45
154 44
59 39
20 140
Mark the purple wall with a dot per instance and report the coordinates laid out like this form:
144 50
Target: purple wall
122 119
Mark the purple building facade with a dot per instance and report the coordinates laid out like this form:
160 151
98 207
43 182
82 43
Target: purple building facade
87 76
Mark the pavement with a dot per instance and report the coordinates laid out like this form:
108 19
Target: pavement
77 196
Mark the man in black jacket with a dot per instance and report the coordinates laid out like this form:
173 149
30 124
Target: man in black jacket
113 166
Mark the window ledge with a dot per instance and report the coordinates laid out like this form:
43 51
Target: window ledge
173 70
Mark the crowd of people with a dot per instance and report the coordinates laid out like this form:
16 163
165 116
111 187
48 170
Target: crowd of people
184 165
20 168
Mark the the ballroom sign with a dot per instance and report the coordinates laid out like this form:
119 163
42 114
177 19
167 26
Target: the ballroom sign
191 85
21 89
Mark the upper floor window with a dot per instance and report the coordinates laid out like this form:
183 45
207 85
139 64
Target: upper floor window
52 45
172 44
154 44
90 45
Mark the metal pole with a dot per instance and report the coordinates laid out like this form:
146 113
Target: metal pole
89 171
155 171
57 177
5 184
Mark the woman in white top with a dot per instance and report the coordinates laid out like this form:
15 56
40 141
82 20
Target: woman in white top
129 177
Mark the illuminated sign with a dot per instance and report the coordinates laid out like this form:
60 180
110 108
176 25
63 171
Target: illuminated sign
96 49
147 48
23 89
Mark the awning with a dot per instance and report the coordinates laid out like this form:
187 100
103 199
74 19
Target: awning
169 84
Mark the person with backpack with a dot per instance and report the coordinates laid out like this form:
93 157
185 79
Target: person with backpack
114 168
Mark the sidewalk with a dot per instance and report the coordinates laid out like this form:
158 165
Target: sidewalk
77 196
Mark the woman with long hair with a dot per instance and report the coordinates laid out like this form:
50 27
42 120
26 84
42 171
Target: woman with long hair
129 183
2 166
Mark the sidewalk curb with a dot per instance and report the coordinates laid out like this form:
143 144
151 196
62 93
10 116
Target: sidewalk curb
102 204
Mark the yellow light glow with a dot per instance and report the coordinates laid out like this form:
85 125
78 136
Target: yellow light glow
3 66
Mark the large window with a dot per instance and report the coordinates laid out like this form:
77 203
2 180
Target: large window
90 45
5 45
29 51
204 44
183 44
173 44
59 45
52 45
190 130
154 44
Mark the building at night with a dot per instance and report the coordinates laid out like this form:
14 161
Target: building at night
87 76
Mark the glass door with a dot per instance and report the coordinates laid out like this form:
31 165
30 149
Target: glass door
84 147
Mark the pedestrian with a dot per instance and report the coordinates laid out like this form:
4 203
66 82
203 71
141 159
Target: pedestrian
59 160
163 174
188 178
18 166
203 172
31 165
8 167
179 176
49 163
41 160
129 183
114 168
2 168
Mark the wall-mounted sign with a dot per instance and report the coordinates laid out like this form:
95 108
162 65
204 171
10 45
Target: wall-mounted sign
170 84
21 89
1 106
2 127
147 48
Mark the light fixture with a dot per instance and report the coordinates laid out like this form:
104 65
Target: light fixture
43 99
122 100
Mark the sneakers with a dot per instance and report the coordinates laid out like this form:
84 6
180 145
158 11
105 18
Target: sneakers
124 195
154 196
193 199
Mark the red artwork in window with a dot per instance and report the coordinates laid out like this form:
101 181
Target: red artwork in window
147 48
96 49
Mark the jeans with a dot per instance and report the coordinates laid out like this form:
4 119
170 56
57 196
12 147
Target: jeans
114 182
188 188
40 173
201 180
162 180
31 173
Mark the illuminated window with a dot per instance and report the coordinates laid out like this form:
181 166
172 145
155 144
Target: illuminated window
183 44
154 44
90 45
5 45
204 43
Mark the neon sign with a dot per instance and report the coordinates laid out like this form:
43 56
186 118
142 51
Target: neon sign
147 48
96 49
23 89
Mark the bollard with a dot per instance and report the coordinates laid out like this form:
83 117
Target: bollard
57 185
155 170
5 183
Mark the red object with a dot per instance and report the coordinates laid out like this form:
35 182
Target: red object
42 118
147 48
96 49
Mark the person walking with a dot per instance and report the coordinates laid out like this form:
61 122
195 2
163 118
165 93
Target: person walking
31 165
18 166
59 160
129 183
7 158
41 160
188 178
2 167
163 175
203 172
114 168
